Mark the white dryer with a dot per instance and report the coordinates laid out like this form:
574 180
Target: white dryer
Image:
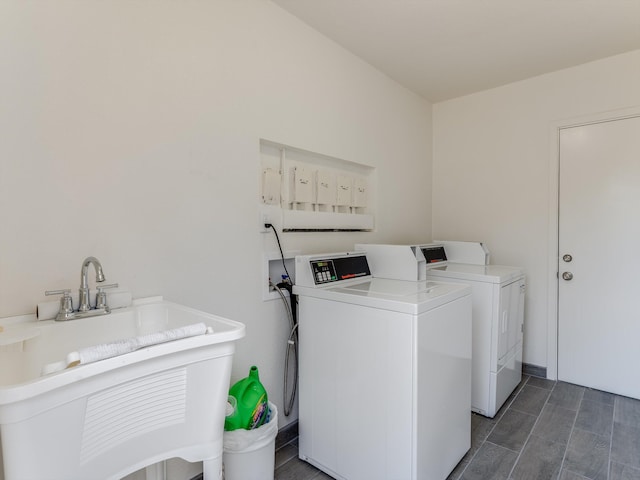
498 307
385 372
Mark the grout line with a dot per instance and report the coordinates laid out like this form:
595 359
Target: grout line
545 402
506 407
579 475
500 446
524 445
613 425
573 428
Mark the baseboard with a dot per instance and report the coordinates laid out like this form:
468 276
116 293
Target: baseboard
287 434
534 370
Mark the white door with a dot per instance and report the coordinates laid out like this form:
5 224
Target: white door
599 264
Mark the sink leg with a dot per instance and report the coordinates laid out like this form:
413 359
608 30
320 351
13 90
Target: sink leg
212 468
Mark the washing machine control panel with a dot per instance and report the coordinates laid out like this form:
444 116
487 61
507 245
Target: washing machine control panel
338 269
324 271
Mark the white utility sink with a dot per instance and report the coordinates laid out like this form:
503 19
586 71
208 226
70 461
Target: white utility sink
112 417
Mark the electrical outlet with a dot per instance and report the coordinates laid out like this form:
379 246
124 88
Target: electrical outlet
264 218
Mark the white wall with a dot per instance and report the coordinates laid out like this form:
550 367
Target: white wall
130 131
492 170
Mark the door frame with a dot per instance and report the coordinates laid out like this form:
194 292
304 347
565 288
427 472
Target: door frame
553 247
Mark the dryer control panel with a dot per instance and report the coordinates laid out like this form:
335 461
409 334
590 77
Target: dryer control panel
434 254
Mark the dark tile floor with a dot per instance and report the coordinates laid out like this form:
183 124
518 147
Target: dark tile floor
546 431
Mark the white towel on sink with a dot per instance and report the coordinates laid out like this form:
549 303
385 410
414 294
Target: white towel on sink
120 347
103 351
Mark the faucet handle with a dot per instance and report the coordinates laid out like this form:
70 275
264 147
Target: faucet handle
101 296
66 303
65 291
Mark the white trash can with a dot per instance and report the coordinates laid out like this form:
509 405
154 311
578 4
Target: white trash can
250 454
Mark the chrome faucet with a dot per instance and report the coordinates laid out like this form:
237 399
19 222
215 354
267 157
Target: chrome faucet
84 305
67 312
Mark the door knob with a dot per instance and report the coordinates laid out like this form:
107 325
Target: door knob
567 258
567 275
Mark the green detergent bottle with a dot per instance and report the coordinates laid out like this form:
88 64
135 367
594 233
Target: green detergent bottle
248 404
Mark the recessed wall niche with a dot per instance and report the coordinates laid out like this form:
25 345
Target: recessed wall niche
307 191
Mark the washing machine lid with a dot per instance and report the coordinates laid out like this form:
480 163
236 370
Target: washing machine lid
395 295
479 273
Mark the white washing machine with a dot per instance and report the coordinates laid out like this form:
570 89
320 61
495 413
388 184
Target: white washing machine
385 372
498 307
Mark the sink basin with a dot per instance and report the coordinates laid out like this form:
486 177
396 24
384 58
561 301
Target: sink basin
112 417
